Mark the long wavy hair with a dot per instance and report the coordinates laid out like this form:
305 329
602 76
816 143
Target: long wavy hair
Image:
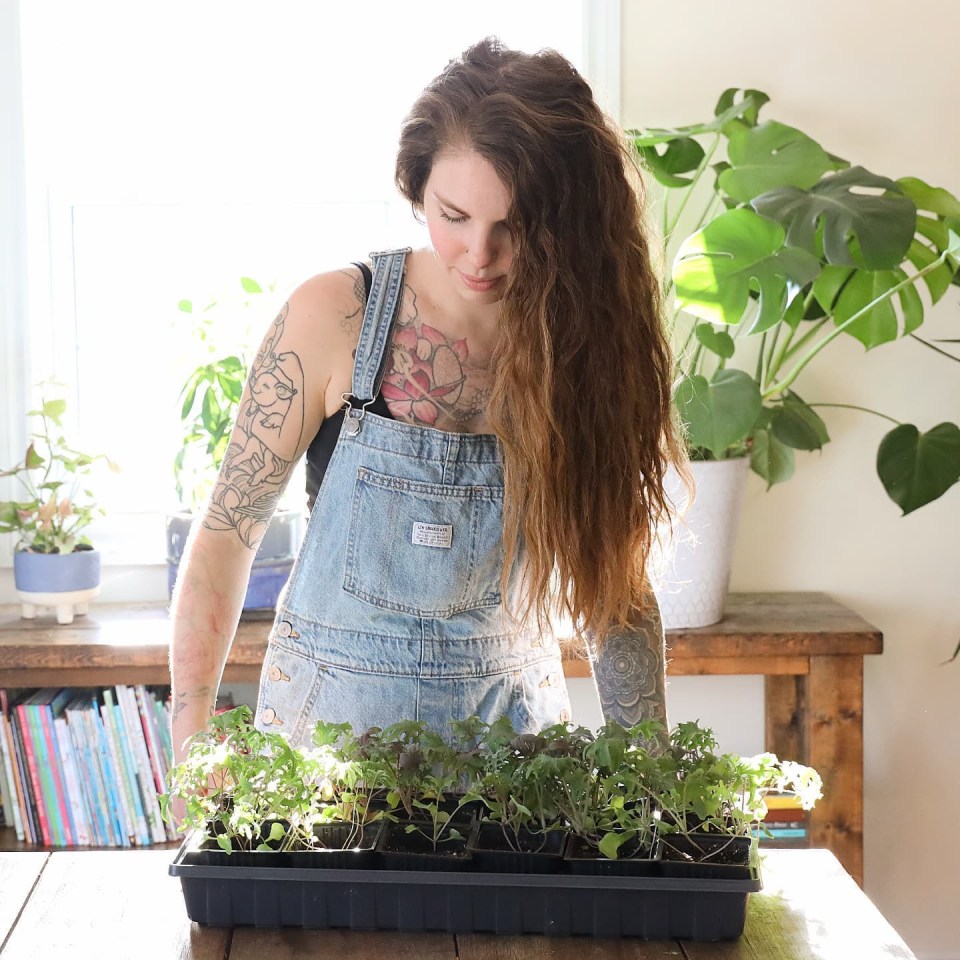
581 395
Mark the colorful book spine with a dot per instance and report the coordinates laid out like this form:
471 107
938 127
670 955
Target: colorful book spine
88 771
60 801
31 824
127 777
26 734
141 763
111 778
71 775
9 769
86 716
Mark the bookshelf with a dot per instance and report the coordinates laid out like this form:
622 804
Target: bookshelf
808 646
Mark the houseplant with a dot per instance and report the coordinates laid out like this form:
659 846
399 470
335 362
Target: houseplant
54 562
209 401
779 248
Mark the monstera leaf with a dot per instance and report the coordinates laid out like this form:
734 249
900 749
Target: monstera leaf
772 155
797 425
721 412
739 251
845 292
916 467
823 218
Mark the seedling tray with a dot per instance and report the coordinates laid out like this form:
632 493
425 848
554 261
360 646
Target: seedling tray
651 908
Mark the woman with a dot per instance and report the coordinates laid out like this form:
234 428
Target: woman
486 425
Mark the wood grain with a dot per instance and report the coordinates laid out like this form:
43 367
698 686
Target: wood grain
94 904
809 909
490 947
834 735
784 722
251 944
18 874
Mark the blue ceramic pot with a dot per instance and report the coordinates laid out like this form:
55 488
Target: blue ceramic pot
56 572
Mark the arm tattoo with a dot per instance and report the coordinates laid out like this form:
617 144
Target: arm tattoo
180 700
630 670
264 444
348 322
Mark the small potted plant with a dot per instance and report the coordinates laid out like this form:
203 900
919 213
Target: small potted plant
520 829
54 562
420 773
209 405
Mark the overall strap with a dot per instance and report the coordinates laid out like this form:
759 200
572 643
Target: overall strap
382 305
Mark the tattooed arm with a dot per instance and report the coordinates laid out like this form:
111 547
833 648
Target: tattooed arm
293 384
630 669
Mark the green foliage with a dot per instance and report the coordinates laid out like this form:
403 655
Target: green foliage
791 248
210 396
54 506
245 789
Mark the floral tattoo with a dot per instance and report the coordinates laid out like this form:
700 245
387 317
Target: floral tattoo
264 444
630 671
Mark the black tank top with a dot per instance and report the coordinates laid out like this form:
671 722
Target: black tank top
321 447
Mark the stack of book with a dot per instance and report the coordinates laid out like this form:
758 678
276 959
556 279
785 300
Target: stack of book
786 821
85 767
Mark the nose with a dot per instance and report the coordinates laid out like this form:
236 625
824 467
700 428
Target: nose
483 250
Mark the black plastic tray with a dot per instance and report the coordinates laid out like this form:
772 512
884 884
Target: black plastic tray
651 908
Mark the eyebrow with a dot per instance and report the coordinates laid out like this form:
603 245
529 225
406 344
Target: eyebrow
455 208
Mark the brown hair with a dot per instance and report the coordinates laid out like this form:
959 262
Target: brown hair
582 370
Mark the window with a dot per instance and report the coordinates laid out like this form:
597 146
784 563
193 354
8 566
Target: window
170 149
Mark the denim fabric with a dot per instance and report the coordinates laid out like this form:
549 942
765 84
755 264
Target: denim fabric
393 609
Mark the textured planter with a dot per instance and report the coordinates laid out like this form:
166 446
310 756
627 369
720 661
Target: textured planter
67 582
271 566
692 574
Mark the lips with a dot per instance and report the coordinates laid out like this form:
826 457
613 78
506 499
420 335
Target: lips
479 284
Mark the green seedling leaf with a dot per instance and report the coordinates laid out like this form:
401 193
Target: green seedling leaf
771 155
916 468
610 845
721 412
824 218
250 286
277 832
185 306
737 253
55 409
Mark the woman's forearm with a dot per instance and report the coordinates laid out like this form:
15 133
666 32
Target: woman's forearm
204 613
629 668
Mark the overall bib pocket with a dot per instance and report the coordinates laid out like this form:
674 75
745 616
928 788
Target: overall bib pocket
425 549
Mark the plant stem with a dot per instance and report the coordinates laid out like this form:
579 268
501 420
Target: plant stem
853 406
810 354
693 184
927 343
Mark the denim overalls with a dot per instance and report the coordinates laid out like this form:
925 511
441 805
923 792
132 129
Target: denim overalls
393 610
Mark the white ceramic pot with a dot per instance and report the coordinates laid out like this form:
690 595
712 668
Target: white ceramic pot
691 573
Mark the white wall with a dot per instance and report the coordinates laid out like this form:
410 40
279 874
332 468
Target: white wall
870 83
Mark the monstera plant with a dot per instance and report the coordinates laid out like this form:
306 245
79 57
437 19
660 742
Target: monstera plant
779 248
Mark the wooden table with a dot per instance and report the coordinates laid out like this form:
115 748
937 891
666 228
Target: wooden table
121 904
809 647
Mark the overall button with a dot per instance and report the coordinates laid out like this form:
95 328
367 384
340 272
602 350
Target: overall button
284 629
269 717
275 673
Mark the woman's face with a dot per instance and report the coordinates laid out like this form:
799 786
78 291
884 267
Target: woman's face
466 206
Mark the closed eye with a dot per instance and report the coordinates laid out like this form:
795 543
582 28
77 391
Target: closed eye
449 219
